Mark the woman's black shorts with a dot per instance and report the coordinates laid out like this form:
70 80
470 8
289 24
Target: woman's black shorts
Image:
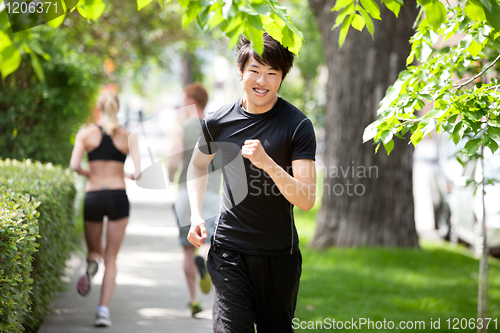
113 203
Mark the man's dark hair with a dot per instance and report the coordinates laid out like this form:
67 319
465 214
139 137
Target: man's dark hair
274 54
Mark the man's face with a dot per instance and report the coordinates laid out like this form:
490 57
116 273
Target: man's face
261 84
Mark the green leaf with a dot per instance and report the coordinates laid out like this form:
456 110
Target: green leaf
81 10
494 133
475 11
37 67
472 146
435 13
57 21
488 4
94 9
341 4
458 132
358 22
143 3
291 40
184 3
10 60
368 21
370 131
372 8
393 6
192 11
493 15
344 30
342 15
474 48
217 18
490 143
389 146
254 29
161 3
416 137
60 19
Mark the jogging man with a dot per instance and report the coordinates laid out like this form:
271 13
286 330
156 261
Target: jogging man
183 139
254 260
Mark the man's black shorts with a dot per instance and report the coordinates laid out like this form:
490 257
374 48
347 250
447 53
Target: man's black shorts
253 290
113 203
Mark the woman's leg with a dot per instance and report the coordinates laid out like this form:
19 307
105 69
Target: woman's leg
114 237
93 237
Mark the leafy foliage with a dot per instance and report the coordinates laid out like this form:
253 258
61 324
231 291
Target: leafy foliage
245 17
360 13
53 189
37 120
467 109
18 232
233 18
304 91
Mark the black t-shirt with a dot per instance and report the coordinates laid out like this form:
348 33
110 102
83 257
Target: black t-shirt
254 216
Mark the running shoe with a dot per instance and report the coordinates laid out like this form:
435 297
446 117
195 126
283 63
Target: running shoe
205 281
195 308
84 284
102 319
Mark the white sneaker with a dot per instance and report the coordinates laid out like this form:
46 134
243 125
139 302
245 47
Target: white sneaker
102 319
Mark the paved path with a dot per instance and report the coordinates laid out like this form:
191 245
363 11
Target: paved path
151 294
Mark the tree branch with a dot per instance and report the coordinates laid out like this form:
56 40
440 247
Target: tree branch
458 86
493 87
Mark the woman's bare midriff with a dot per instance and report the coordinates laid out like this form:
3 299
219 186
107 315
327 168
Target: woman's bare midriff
105 175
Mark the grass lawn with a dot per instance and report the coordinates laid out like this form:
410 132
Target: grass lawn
438 281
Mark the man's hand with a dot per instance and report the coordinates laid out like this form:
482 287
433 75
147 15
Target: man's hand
255 152
197 233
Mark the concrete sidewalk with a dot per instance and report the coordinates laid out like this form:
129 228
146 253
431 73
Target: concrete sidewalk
151 295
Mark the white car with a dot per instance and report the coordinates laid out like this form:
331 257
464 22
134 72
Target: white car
458 206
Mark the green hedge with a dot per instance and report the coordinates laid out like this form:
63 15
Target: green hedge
54 188
18 232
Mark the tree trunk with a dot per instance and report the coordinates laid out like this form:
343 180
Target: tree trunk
367 197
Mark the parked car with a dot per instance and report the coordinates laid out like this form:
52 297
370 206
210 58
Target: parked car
458 208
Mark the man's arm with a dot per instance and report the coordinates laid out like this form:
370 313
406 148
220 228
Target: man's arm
299 190
175 153
197 179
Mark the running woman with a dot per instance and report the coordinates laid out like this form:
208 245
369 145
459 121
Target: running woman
107 145
254 261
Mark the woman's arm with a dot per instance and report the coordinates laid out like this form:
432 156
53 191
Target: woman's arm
134 154
77 154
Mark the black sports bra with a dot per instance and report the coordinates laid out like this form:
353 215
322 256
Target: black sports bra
106 150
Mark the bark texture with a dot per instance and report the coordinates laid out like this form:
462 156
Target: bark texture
367 197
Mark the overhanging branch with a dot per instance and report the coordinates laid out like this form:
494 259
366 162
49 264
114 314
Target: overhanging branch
458 86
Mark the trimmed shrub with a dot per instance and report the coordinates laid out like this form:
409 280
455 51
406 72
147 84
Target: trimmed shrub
18 232
54 188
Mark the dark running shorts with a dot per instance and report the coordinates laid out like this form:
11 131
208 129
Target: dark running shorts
253 290
113 203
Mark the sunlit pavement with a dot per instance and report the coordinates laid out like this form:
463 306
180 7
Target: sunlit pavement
151 293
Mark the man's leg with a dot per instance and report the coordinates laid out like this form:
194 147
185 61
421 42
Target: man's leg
190 271
275 280
233 311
